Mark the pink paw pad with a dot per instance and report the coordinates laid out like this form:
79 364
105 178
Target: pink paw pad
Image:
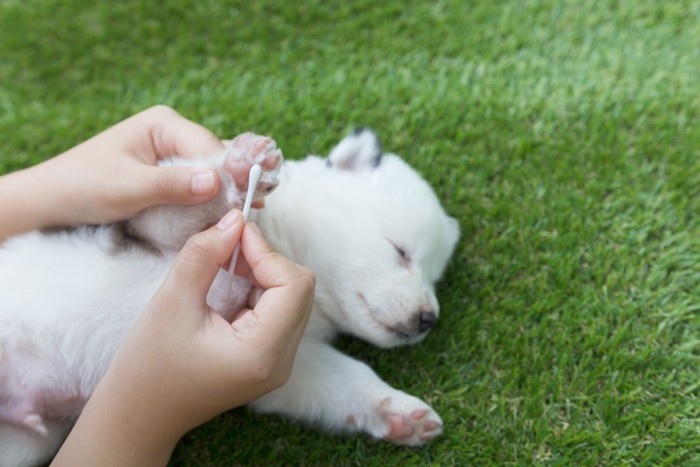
248 149
414 428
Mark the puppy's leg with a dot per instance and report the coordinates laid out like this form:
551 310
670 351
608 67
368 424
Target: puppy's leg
331 389
34 416
169 226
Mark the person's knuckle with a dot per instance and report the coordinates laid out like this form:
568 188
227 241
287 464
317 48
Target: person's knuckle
270 259
279 373
279 379
162 110
273 256
195 248
306 279
263 372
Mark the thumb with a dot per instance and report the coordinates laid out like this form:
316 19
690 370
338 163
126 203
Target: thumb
179 185
202 256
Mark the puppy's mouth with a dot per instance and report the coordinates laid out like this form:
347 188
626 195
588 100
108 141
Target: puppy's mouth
395 330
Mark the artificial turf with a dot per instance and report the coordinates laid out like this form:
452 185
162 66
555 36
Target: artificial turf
562 134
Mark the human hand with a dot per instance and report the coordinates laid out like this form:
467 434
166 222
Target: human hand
114 175
179 340
182 363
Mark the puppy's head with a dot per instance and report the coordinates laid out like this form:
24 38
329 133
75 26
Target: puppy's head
381 241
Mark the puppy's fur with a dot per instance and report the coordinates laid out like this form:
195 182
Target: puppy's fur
365 222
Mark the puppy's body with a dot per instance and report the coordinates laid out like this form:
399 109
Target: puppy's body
369 227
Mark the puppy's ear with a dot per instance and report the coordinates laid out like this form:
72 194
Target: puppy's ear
360 150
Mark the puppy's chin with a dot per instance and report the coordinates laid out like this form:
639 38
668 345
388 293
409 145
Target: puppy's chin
387 337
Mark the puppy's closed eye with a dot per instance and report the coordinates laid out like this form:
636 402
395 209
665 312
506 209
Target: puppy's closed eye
403 254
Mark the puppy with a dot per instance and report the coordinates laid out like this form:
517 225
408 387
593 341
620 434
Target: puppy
366 223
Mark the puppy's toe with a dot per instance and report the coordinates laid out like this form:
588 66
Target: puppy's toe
248 149
409 422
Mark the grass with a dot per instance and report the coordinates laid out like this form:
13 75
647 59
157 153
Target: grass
562 134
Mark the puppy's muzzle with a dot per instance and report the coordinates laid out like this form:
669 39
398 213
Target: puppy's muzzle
426 321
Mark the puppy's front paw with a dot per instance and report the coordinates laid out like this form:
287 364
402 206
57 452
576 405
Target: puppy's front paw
244 151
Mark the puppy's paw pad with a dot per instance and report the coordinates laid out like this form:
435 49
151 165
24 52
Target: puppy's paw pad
411 423
248 149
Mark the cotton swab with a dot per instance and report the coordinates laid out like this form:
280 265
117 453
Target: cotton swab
253 179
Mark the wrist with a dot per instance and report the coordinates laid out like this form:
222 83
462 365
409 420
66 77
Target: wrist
116 429
120 426
23 208
138 415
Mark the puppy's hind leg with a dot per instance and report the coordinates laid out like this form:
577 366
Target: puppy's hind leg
28 435
21 447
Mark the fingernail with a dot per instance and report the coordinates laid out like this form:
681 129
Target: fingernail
229 220
202 182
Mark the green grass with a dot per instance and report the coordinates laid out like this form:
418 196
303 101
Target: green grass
562 134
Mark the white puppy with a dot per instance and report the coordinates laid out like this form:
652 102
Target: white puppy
365 222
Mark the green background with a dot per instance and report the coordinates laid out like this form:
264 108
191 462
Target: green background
562 134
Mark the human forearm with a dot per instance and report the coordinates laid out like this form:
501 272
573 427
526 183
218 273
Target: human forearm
112 176
114 429
22 208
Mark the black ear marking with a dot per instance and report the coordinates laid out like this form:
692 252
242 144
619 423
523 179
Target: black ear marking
360 150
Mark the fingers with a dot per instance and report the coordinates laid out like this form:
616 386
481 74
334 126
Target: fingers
201 258
172 134
286 303
178 185
166 133
279 314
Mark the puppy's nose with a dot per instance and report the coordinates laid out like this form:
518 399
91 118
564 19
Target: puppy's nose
426 320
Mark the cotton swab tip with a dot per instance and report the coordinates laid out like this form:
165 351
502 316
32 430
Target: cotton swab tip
253 179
